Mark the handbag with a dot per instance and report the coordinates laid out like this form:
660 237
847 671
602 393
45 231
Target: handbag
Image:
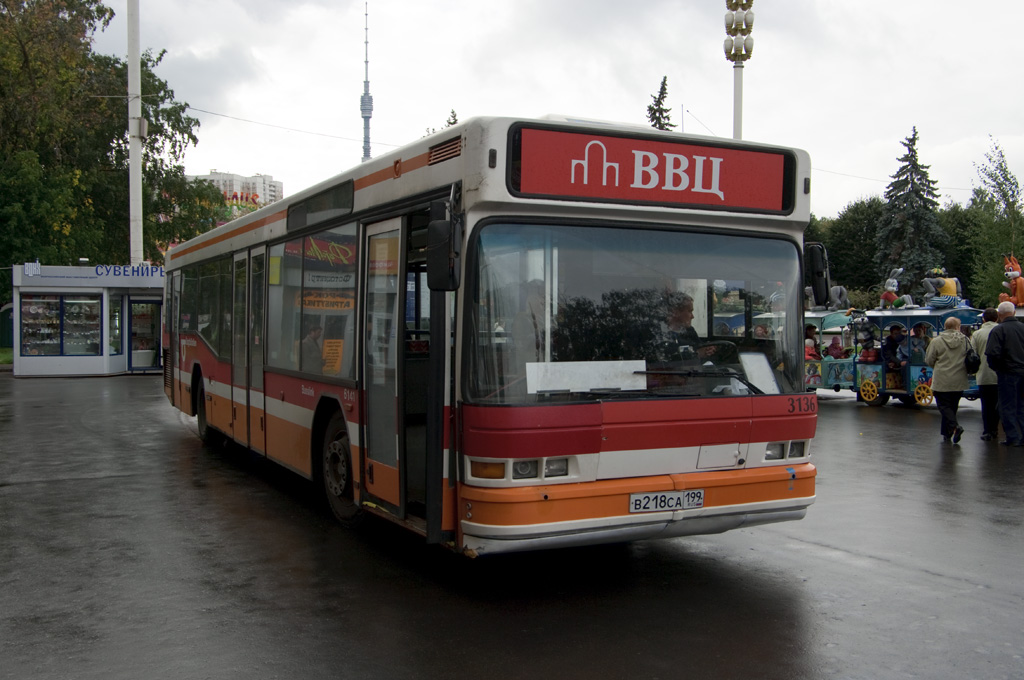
972 362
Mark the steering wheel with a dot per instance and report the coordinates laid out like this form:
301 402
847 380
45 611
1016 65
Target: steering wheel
725 351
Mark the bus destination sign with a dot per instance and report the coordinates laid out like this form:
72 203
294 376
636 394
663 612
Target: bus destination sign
571 165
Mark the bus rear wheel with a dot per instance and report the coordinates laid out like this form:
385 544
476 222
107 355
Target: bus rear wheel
336 473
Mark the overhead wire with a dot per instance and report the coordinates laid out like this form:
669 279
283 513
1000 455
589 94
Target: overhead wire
283 127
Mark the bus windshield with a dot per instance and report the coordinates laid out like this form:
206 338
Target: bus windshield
578 313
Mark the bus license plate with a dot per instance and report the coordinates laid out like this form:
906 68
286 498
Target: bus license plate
666 501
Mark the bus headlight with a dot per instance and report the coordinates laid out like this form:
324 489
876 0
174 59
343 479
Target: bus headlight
556 467
524 469
797 450
775 451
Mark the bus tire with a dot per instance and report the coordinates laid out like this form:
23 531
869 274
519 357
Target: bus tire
335 473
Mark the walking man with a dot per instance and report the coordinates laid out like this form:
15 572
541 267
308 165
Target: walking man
987 379
1005 353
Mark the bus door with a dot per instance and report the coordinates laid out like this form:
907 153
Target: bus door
255 324
382 323
239 350
173 328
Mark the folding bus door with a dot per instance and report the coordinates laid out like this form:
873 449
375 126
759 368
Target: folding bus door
257 309
383 323
240 350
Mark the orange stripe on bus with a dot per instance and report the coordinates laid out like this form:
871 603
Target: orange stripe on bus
229 234
570 502
288 443
399 168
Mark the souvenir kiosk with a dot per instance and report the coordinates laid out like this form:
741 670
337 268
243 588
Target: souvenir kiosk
92 320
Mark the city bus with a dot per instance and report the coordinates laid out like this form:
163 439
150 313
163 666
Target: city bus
516 334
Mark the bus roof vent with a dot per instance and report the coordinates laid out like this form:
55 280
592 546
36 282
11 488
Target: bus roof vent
444 151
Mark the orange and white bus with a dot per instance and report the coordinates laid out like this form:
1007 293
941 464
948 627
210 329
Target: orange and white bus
517 334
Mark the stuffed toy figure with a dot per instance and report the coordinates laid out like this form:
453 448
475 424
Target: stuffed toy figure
864 332
838 298
941 290
889 299
1013 281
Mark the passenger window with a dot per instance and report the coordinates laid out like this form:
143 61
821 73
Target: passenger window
328 302
284 290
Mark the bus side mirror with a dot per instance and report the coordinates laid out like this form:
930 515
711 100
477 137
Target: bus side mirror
817 260
444 245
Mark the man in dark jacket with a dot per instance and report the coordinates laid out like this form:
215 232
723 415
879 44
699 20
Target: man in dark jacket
1005 354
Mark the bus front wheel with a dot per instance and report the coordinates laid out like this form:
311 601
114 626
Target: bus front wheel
336 472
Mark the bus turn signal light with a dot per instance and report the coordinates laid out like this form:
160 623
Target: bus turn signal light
482 470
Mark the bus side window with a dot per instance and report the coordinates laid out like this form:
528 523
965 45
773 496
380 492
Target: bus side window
284 290
329 299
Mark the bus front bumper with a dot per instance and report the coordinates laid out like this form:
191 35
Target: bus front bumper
512 520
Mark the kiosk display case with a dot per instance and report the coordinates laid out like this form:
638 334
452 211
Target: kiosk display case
76 320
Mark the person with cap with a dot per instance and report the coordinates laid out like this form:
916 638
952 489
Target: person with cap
949 376
986 378
1005 354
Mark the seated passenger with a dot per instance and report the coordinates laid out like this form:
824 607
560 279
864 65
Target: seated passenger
836 349
894 354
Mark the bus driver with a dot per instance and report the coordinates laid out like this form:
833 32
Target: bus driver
681 339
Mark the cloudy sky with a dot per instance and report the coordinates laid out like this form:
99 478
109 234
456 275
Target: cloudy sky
846 80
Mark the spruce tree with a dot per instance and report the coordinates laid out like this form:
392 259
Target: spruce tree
909 234
657 114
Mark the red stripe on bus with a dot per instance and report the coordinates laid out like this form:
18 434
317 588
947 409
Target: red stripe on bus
529 432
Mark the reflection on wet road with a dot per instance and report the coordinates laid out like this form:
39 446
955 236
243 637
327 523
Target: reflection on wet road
129 550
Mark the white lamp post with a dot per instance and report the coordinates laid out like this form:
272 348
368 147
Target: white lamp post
739 21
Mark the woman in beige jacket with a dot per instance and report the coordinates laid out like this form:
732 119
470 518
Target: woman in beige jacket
949 376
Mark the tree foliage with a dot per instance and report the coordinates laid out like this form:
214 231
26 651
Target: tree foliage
850 241
997 205
909 234
64 143
658 115
961 226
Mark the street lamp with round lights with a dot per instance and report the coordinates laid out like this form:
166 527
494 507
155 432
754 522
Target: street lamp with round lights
739 22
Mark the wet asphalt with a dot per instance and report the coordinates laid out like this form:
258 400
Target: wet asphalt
130 550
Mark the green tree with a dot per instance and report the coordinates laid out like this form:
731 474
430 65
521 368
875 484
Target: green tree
452 119
63 144
998 200
850 241
961 226
657 114
1001 187
909 234
816 230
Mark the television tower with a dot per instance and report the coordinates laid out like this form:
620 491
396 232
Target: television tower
366 101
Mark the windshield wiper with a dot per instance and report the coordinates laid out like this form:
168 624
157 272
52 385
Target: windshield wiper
706 373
